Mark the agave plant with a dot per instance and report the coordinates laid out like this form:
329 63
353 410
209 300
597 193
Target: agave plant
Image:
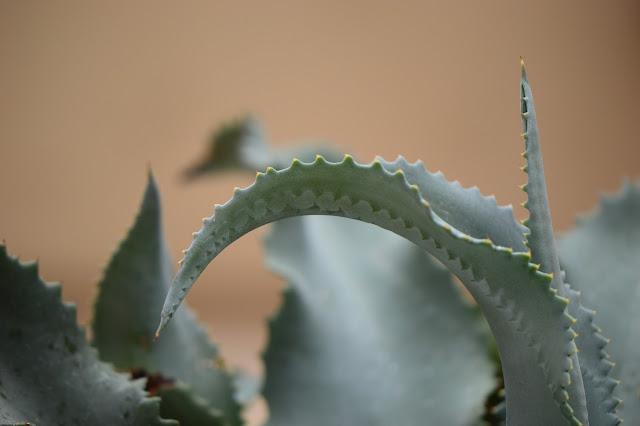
370 331
373 328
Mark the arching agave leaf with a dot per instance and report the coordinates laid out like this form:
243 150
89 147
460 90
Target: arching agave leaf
600 256
372 331
242 145
528 320
131 292
49 375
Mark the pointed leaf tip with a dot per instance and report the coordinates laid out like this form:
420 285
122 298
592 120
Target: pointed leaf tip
523 78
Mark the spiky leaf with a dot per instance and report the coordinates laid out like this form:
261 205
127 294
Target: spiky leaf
540 237
131 292
600 257
49 375
529 321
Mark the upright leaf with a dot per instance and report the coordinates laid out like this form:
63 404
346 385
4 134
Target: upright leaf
541 239
49 375
131 292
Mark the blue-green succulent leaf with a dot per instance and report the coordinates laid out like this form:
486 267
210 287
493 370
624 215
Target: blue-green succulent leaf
372 331
600 257
540 238
49 375
529 321
242 145
594 365
452 203
130 295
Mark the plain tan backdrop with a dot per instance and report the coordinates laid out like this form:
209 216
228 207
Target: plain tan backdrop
93 92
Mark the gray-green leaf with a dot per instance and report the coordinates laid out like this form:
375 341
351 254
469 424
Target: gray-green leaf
529 322
372 331
131 293
601 257
49 375
243 145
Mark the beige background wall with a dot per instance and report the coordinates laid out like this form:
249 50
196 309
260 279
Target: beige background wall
92 92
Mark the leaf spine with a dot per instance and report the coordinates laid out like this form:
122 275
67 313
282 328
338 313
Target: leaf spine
348 159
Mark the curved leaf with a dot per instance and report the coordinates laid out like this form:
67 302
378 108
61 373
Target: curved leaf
529 321
600 257
131 292
372 331
49 375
